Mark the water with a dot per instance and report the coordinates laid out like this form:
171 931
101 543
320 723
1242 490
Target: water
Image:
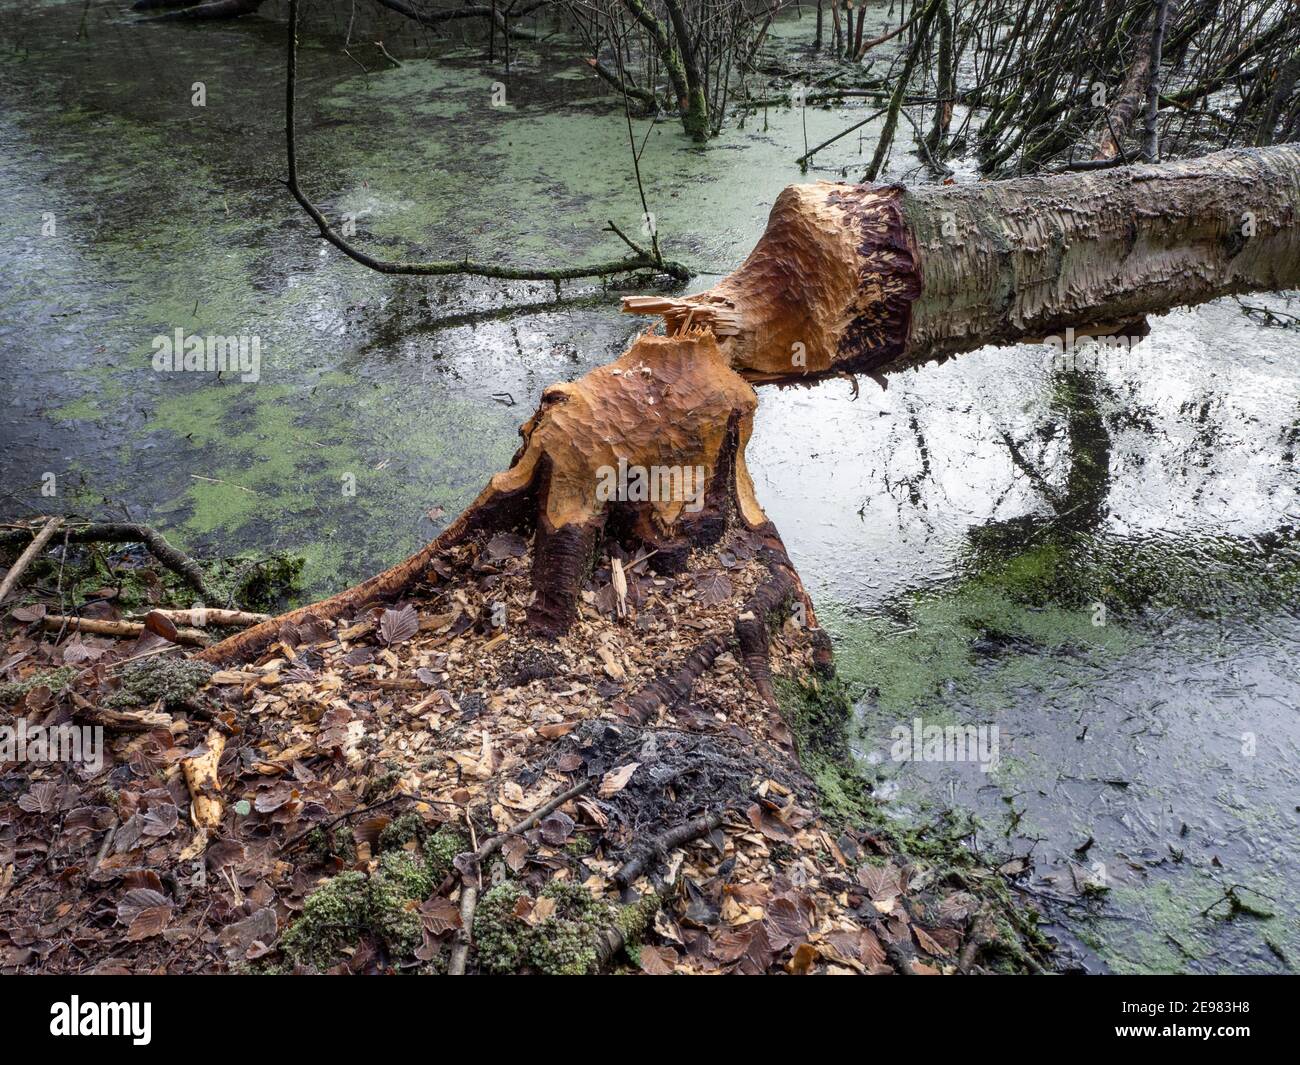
961 585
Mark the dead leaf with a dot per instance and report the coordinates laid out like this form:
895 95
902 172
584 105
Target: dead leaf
439 915
616 779
772 827
515 850
557 829
542 909
149 922
505 545
398 626
657 961
41 798
714 587
160 625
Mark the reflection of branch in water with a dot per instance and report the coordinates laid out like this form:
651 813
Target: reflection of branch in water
393 326
922 448
1053 497
1082 505
1269 315
1087 483
912 482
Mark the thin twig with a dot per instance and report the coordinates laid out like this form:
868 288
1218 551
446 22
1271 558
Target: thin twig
28 556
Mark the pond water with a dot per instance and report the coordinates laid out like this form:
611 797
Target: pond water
959 531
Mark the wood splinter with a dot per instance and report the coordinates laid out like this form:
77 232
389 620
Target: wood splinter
206 806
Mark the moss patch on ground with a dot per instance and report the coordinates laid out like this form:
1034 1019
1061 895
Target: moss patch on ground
565 942
819 712
383 905
173 680
54 679
135 581
334 917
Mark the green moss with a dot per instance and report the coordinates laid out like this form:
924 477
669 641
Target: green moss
400 831
245 581
440 850
382 783
351 905
818 713
172 679
567 949
501 939
334 917
396 889
54 679
255 583
339 844
580 846
86 571
633 921
564 944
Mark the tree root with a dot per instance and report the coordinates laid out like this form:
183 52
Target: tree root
658 848
980 934
752 628
665 692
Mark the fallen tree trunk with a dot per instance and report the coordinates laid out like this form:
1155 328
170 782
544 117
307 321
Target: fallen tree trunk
862 279
649 450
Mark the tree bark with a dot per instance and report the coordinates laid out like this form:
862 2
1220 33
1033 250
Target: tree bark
695 118
1150 137
861 279
679 64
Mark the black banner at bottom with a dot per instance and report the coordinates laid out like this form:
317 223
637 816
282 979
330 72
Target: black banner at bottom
143 1015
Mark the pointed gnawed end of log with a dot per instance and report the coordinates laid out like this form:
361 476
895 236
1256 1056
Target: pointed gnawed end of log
828 288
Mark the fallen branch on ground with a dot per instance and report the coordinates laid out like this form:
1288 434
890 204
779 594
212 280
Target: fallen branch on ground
204 616
26 558
116 532
470 886
119 629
